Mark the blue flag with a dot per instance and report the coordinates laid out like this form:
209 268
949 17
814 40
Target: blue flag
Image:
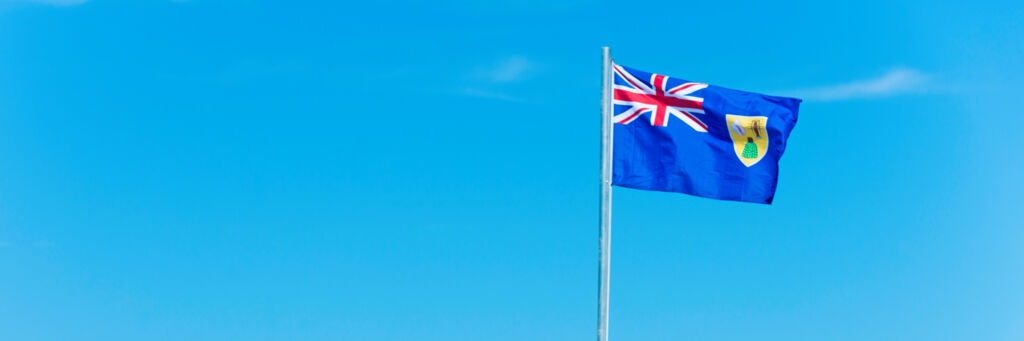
678 136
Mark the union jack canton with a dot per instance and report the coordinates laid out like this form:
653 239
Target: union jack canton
658 99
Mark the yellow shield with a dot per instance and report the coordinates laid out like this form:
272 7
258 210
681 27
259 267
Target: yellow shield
749 137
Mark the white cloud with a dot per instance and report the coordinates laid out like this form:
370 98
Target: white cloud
508 70
896 81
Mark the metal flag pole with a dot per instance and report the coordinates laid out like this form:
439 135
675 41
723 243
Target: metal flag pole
606 196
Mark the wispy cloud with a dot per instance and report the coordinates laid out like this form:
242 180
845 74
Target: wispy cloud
507 70
494 80
896 81
481 93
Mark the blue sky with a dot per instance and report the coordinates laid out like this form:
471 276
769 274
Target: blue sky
258 170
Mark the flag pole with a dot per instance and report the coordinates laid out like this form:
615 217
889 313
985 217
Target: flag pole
606 196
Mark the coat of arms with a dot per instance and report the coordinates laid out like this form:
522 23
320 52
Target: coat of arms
749 137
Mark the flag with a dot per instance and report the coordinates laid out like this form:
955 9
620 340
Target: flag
678 136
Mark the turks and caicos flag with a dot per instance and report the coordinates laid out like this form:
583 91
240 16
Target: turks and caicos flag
679 136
